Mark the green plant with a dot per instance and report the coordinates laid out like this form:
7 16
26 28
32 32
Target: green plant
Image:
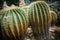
40 19
14 23
54 16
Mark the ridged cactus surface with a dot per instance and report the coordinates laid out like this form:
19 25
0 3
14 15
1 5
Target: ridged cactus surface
54 15
13 23
40 18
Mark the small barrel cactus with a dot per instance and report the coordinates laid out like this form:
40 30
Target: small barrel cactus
54 16
13 23
58 16
40 19
25 8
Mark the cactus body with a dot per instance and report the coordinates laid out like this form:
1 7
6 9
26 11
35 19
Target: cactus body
13 24
40 18
54 16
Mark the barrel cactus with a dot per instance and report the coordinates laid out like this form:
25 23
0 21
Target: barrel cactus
13 23
40 19
54 16
25 8
58 16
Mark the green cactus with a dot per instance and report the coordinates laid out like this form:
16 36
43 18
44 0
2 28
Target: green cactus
40 18
13 23
25 8
54 16
58 14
